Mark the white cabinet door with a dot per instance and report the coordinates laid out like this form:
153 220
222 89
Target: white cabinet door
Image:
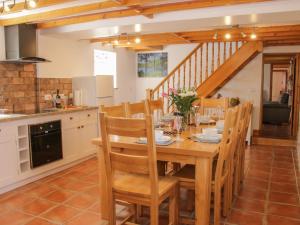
88 132
8 159
71 142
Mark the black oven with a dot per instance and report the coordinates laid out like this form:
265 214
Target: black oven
45 143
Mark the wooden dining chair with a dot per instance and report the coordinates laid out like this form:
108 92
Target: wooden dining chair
214 107
156 105
135 109
115 111
221 168
243 144
138 182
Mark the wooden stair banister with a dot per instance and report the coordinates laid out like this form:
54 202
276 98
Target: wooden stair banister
206 68
228 69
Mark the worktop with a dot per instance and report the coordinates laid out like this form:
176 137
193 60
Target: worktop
13 117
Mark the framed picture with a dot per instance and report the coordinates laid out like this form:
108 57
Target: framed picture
152 64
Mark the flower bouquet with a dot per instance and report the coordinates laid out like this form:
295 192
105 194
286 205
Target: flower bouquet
183 100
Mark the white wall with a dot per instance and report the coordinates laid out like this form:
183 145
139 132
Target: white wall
69 58
267 82
2 43
247 86
176 53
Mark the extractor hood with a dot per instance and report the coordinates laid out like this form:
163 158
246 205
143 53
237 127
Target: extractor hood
21 44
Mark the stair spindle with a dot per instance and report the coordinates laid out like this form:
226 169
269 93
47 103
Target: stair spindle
178 83
212 59
236 46
230 49
190 72
206 69
224 53
201 61
195 75
219 54
184 70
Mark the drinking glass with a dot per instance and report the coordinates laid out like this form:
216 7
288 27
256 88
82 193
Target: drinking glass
177 125
197 119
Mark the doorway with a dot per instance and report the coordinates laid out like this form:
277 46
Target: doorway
278 95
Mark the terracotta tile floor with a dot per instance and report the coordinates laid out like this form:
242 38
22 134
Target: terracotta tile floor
269 196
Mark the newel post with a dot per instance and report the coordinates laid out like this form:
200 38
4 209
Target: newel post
149 94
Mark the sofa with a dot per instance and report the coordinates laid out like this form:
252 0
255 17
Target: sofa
277 112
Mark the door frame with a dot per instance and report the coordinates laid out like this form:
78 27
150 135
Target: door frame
296 91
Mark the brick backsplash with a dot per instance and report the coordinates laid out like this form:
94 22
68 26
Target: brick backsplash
22 92
49 86
18 87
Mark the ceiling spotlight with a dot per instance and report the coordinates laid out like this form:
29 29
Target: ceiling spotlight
32 3
137 28
137 40
116 42
253 36
227 36
243 34
215 37
8 5
128 42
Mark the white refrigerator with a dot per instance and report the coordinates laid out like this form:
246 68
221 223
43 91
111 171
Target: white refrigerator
93 90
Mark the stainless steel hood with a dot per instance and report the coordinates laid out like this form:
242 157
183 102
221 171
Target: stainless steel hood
21 44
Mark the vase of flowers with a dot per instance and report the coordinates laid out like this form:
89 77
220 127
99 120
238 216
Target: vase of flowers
183 100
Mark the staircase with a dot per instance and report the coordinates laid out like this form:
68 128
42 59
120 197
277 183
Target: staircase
207 68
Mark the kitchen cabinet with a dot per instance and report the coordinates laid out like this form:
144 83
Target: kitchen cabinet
9 157
78 131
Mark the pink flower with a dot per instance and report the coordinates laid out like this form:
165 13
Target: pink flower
165 94
173 90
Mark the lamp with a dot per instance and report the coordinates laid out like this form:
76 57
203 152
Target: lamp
31 4
8 5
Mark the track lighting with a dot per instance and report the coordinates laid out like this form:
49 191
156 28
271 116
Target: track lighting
243 34
137 40
215 37
227 36
32 3
8 5
253 36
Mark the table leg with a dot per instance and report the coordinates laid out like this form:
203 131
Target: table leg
203 170
103 186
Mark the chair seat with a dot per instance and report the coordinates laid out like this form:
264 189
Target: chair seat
186 175
139 185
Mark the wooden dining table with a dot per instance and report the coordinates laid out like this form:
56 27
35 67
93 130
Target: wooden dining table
185 151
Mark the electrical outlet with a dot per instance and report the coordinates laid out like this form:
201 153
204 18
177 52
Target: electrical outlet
48 97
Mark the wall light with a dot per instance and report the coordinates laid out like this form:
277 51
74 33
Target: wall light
137 28
227 20
253 36
32 3
227 36
8 5
137 40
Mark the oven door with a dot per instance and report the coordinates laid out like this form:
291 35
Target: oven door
45 148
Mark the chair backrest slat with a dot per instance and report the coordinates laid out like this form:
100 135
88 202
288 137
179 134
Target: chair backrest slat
212 106
129 163
133 109
115 111
127 127
156 105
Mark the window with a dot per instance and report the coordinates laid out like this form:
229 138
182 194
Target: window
105 63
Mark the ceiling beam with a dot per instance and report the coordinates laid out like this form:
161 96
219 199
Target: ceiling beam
148 10
40 4
71 11
269 35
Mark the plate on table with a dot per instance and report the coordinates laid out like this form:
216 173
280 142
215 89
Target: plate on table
205 138
162 140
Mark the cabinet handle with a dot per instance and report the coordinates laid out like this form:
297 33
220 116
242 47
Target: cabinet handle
71 118
78 127
82 126
89 115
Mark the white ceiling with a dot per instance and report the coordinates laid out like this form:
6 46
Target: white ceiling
277 12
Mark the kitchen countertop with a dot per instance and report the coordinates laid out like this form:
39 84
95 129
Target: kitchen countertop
13 117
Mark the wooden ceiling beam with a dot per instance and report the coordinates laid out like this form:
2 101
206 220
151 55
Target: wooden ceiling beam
71 11
40 4
149 10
